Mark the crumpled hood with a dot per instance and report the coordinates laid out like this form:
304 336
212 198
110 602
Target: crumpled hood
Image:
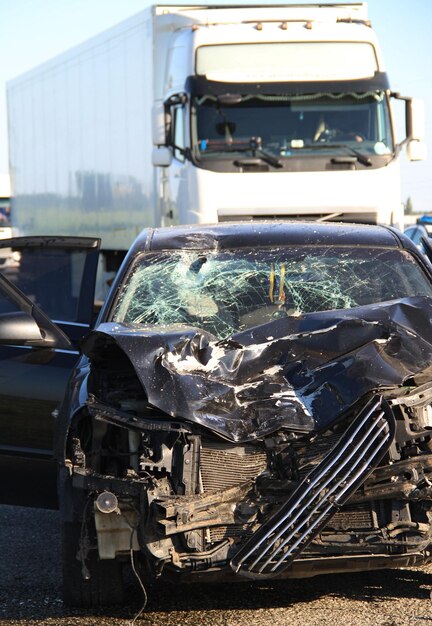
300 372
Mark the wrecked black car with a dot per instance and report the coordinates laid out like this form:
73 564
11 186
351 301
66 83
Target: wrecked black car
254 402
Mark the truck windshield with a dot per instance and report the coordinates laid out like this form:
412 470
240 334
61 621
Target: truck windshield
225 292
292 126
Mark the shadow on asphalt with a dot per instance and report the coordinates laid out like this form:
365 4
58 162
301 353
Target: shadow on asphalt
30 581
379 585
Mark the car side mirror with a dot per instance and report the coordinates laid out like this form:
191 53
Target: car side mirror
23 323
19 328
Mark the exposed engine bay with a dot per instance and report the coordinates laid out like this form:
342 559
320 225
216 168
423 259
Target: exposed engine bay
325 463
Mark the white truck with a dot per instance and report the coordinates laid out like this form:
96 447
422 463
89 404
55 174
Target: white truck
185 114
8 258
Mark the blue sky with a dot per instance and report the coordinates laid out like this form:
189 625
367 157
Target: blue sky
32 31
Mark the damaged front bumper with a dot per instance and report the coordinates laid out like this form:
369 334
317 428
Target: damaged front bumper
355 497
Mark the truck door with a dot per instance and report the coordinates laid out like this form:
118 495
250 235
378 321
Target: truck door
55 276
174 193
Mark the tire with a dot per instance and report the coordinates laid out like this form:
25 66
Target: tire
88 582
98 583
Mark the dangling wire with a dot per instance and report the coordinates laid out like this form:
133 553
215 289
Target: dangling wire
135 571
141 584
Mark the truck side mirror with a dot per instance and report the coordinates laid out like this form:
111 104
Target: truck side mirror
160 124
162 119
415 129
161 156
415 119
416 150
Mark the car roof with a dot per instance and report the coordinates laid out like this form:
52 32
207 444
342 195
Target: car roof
228 235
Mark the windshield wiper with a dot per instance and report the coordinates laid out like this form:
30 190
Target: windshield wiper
260 157
361 158
253 146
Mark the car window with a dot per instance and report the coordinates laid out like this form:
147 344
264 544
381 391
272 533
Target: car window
7 304
415 234
228 291
23 323
409 232
52 280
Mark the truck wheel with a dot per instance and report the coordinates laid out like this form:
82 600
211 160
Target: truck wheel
91 584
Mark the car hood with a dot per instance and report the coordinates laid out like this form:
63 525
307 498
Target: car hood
300 373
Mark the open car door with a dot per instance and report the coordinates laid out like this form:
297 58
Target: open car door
46 307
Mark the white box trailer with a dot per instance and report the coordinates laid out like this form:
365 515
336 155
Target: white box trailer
7 258
186 114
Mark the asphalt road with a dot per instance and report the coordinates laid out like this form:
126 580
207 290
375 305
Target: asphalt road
30 584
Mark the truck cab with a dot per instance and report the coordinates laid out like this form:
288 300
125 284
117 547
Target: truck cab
295 101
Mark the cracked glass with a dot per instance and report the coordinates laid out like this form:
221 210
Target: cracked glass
227 291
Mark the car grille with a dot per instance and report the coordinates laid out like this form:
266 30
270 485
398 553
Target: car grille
320 495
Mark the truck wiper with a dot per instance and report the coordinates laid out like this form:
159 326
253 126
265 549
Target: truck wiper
260 156
253 146
361 158
257 152
268 158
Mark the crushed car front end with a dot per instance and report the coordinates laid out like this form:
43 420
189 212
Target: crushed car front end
258 437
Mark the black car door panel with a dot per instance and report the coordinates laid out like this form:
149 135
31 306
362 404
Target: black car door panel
53 275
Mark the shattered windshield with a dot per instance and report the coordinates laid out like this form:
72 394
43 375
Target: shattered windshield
290 126
228 291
